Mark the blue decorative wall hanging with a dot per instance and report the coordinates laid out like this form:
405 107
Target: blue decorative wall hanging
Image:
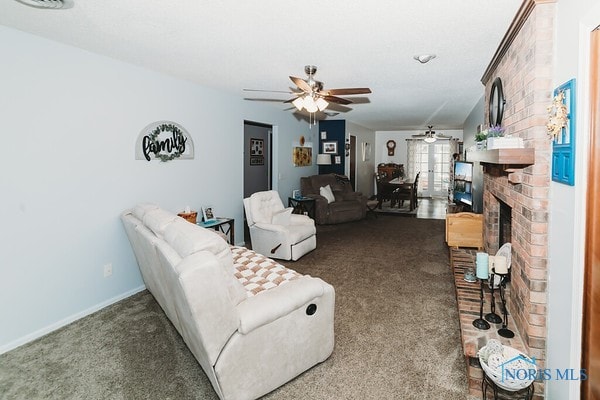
561 126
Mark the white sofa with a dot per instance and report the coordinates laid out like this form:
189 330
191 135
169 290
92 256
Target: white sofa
251 323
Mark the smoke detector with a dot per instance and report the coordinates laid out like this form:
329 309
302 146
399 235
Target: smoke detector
424 58
49 4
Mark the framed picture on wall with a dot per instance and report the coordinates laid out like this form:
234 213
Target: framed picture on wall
257 147
338 159
330 147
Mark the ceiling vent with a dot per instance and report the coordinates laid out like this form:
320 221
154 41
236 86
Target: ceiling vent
51 4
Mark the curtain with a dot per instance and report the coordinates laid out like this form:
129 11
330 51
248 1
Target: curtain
411 159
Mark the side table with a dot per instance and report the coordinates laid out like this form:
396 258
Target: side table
219 224
303 206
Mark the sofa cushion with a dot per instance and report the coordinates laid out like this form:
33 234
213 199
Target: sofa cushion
318 181
263 205
141 209
157 220
327 193
186 238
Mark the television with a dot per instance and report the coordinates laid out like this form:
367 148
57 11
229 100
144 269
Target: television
463 181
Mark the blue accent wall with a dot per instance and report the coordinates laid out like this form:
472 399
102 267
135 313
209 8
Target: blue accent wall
336 132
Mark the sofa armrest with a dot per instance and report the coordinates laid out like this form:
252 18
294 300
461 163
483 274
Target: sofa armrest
321 207
297 219
270 227
278 302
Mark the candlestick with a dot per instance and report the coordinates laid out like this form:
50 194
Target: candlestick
482 274
504 331
491 264
492 316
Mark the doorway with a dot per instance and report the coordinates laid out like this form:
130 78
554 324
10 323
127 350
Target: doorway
590 388
352 161
257 157
433 161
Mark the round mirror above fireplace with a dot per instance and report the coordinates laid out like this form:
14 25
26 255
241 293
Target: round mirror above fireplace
496 104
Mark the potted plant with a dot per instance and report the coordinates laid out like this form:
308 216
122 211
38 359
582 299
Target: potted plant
481 139
497 140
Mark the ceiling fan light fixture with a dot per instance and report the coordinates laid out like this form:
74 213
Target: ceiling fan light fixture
298 103
424 58
48 4
430 139
310 105
321 104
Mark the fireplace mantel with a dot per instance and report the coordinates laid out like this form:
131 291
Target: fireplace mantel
503 156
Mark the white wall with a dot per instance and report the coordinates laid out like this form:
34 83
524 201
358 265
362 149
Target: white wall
365 181
70 119
575 19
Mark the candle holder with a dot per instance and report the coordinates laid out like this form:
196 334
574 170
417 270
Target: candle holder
481 323
504 331
492 316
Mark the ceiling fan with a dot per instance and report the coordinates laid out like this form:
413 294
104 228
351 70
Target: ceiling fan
310 94
430 136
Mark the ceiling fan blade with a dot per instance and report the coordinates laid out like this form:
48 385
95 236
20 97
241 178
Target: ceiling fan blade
269 91
301 83
338 100
346 91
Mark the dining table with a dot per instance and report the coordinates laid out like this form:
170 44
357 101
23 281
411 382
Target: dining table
405 185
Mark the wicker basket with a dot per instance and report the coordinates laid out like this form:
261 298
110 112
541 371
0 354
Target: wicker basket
495 374
189 217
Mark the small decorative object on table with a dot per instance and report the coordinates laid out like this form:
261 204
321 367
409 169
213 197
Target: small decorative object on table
470 275
188 215
208 214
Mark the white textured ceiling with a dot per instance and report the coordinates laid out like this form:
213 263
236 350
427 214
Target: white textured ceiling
230 45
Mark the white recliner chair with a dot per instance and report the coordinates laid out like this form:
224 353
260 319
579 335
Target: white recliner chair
275 231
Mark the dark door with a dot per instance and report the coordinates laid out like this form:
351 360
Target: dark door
353 161
257 157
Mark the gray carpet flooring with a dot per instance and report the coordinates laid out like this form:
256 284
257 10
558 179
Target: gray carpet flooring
396 326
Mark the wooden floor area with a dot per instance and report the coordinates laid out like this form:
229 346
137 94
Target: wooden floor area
432 208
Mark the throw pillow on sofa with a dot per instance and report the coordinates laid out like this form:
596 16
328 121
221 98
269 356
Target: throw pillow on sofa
327 193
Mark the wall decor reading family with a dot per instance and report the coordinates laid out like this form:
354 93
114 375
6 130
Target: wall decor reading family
164 141
257 152
561 128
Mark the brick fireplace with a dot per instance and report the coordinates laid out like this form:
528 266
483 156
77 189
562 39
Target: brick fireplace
524 63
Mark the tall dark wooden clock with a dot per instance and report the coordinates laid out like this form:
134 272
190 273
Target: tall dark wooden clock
391 146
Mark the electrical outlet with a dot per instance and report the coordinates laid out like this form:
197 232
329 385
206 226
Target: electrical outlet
107 270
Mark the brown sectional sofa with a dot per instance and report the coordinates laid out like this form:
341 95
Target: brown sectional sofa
348 205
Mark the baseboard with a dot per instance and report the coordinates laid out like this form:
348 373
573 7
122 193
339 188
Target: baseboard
66 321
